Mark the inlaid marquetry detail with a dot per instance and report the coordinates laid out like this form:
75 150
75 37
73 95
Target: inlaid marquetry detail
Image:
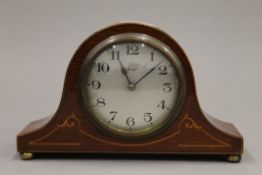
186 125
70 122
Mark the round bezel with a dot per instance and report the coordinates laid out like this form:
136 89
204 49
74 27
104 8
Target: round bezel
131 37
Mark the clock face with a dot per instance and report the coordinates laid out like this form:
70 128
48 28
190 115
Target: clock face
131 87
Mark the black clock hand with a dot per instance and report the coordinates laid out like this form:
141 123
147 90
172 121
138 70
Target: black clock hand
146 74
124 71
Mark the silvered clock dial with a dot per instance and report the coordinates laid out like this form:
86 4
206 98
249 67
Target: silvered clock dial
132 84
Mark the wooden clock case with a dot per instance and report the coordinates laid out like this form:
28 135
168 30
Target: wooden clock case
69 130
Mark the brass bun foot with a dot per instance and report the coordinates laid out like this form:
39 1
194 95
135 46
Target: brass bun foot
234 158
26 156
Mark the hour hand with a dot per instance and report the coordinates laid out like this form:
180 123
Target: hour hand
124 71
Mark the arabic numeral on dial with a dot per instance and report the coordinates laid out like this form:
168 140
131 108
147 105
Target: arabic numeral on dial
147 117
130 121
162 104
132 49
113 114
100 102
101 67
151 56
167 87
115 55
162 70
95 84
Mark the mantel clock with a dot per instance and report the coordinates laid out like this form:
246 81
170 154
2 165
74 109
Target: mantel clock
129 89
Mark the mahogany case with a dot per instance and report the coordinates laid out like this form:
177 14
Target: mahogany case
69 130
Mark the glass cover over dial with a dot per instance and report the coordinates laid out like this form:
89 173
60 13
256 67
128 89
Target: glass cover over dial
131 88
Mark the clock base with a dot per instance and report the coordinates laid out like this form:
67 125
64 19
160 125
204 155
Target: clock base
109 156
69 136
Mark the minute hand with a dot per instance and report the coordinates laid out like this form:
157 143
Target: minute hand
146 74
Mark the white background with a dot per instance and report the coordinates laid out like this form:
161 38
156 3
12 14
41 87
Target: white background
223 40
